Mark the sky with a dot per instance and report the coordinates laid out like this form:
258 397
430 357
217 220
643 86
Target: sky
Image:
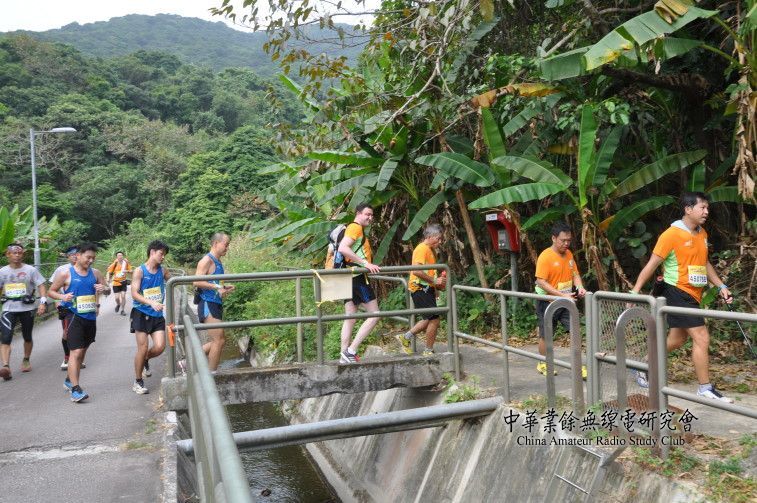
41 15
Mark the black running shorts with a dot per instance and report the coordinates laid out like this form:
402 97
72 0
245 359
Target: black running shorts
119 288
561 316
81 333
206 309
678 298
141 322
362 293
424 298
8 322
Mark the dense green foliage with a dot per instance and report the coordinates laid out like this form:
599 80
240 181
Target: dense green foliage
212 45
171 144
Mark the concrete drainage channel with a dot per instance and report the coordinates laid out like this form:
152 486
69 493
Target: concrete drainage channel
475 459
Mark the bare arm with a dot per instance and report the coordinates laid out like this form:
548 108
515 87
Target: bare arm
345 248
723 290
58 284
646 274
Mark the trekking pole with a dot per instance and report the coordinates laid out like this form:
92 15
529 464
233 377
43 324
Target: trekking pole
747 339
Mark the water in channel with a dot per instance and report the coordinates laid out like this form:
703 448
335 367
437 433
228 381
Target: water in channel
286 474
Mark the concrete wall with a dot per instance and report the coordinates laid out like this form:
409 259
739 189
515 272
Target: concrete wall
465 461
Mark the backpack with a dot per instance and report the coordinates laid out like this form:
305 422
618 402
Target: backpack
334 259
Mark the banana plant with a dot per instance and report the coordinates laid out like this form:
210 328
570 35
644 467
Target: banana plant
590 194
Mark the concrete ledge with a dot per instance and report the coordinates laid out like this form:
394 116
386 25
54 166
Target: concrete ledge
294 382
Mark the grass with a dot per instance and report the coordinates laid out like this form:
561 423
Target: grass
136 445
460 391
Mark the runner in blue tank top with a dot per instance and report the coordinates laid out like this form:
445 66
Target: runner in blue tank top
83 285
148 289
210 308
64 313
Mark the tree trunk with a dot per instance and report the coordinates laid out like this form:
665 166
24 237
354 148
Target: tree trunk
472 239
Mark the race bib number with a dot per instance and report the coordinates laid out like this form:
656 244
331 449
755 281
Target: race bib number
565 286
154 294
86 304
14 290
697 275
120 274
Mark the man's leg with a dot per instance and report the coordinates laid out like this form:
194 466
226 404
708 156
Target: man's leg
27 325
215 346
676 338
366 327
158 344
348 325
419 327
700 353
74 364
433 326
5 353
141 354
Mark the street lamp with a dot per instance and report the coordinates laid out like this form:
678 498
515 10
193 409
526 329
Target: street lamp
32 134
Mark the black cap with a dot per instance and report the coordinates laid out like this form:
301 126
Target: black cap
71 250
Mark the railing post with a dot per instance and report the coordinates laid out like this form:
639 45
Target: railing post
452 334
170 318
590 362
593 325
298 307
319 321
451 315
662 366
409 305
503 331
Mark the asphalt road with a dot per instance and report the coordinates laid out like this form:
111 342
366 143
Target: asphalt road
106 448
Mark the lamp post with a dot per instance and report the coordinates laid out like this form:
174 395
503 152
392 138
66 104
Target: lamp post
32 134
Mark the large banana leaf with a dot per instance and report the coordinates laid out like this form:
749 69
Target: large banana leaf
351 158
459 166
638 30
492 136
517 194
424 214
534 169
564 66
288 229
728 194
349 184
333 175
384 245
387 170
547 216
656 170
696 182
631 214
587 164
604 157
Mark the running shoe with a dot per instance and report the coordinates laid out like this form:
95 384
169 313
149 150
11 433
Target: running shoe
64 365
641 379
78 394
541 368
714 394
5 373
428 352
146 370
82 366
123 313
407 345
118 306
67 384
139 387
347 357
25 365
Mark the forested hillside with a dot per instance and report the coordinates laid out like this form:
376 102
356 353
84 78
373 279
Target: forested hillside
161 145
192 40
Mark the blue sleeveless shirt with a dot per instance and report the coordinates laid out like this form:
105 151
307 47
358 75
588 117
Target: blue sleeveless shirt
84 303
153 287
213 295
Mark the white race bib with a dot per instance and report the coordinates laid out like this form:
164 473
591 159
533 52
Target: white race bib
14 290
697 275
86 304
154 294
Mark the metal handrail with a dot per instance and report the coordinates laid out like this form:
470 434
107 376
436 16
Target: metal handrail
319 317
219 468
555 303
